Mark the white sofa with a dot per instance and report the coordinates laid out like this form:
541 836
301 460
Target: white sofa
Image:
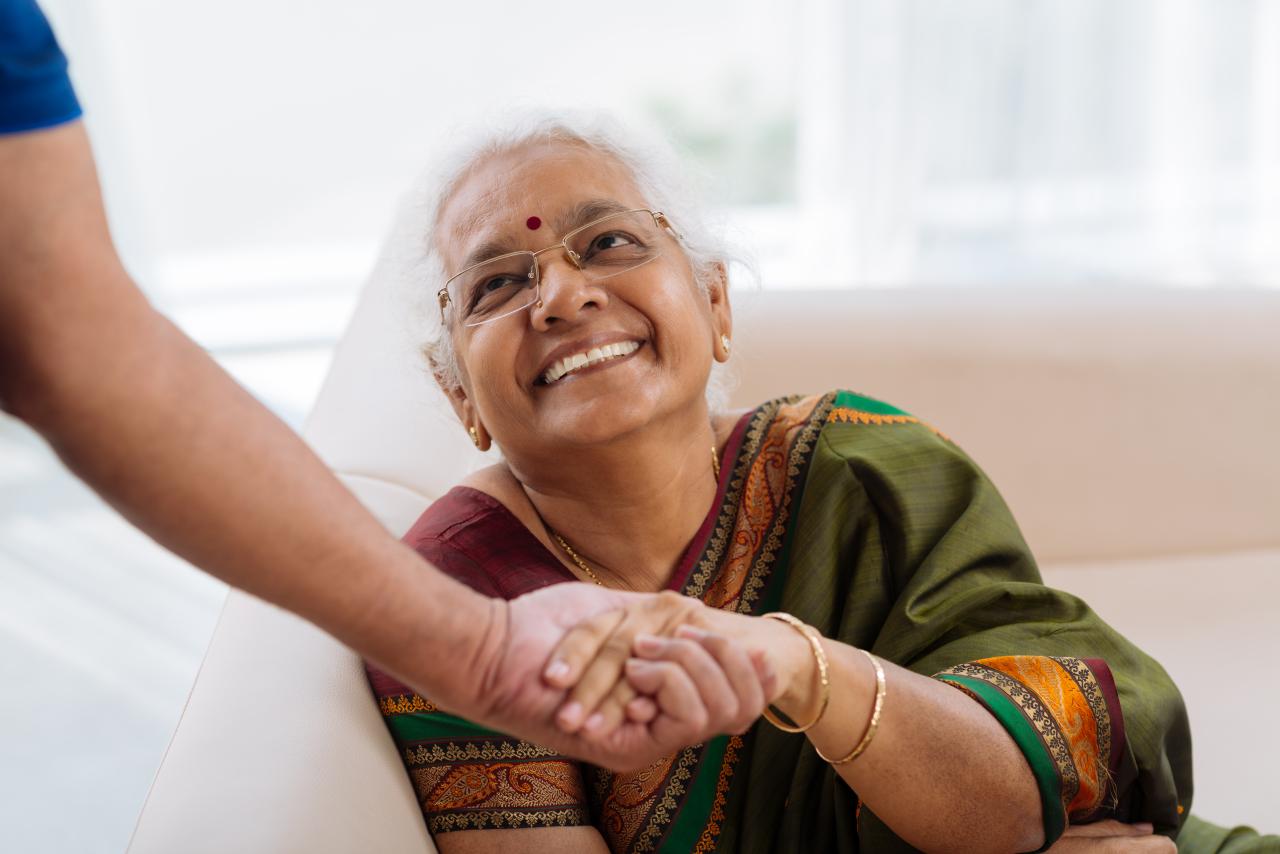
1133 433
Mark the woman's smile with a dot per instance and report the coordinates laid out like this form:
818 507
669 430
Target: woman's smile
573 360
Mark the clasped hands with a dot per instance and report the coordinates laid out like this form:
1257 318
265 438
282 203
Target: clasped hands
622 679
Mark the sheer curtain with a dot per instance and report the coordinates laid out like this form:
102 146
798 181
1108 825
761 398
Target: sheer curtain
247 148
1030 142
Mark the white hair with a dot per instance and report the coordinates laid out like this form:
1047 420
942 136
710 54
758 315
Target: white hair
662 181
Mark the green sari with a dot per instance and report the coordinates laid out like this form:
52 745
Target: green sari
881 533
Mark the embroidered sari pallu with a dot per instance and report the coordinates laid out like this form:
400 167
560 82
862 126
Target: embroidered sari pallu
881 533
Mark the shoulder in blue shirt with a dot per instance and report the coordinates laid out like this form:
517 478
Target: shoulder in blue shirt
35 91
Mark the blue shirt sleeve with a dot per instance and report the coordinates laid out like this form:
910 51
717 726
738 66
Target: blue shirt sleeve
35 91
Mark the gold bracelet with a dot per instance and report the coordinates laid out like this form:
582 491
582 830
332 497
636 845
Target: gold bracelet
872 725
824 678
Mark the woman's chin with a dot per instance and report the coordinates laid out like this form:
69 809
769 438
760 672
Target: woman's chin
604 406
597 422
601 414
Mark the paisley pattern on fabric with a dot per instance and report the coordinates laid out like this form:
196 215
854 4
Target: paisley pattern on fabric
770 468
635 813
509 794
1064 702
467 778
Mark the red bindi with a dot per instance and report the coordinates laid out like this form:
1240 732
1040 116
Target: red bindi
534 223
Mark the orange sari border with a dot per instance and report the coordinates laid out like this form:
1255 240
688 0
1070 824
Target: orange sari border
474 784
711 835
849 415
1066 701
756 507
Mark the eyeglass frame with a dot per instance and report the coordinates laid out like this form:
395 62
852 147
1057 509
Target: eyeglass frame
535 273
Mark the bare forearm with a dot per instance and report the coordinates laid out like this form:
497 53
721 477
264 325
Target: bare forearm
142 415
941 771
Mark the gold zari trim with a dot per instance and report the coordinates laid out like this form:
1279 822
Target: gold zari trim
436 754
489 819
405 704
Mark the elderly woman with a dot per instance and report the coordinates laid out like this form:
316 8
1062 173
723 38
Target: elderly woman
932 692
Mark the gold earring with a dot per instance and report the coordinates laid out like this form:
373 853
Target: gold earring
724 342
475 436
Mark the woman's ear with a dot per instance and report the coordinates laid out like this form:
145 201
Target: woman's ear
717 285
466 412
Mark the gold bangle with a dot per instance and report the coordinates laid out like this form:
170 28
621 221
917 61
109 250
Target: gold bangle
824 678
872 725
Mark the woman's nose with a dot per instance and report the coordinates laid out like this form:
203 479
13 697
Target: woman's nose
565 292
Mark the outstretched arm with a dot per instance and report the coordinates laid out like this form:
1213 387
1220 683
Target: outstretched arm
146 418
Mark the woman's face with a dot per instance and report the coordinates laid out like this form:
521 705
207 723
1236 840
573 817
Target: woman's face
658 306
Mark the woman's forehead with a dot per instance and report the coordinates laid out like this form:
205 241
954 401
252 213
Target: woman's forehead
530 195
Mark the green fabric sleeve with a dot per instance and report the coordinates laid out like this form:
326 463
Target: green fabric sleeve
904 547
965 587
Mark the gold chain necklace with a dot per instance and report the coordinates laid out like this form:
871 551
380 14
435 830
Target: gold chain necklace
582 564
573 556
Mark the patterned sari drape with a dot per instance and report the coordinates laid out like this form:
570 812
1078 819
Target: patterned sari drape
880 532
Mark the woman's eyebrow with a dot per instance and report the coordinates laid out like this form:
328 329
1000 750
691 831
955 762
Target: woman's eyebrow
484 252
584 212
580 214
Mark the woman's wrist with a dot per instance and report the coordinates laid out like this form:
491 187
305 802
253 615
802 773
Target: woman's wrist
799 673
787 651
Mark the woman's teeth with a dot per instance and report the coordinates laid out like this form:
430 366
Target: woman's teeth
585 359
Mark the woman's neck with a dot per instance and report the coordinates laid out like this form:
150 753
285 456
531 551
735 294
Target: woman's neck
629 509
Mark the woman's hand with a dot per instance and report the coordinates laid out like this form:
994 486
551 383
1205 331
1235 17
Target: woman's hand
696 688
668 627
1103 837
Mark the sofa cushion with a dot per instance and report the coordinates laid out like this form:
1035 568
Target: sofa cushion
1210 619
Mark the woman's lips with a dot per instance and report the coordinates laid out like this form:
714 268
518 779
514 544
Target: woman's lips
592 359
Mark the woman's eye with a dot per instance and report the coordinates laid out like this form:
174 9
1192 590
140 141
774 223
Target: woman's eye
486 289
613 240
497 283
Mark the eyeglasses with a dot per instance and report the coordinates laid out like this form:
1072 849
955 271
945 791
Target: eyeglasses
601 249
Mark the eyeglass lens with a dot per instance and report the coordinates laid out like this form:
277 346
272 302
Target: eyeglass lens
607 247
